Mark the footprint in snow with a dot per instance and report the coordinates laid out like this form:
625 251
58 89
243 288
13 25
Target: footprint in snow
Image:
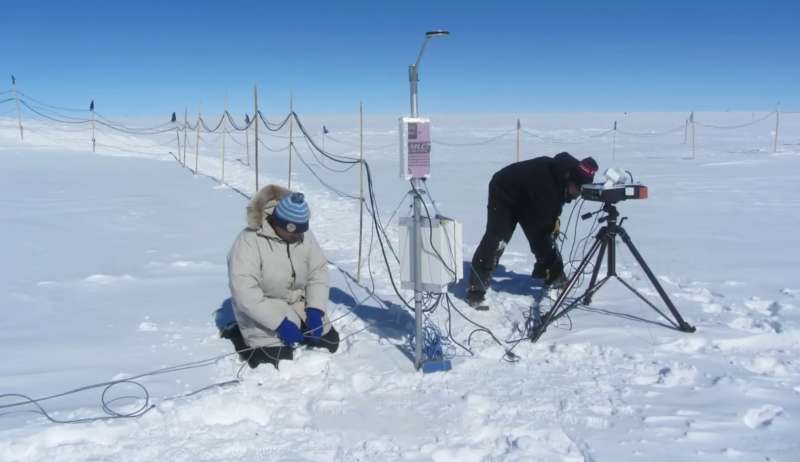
794 293
765 307
763 416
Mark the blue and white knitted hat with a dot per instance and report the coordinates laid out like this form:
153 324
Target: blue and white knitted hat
292 213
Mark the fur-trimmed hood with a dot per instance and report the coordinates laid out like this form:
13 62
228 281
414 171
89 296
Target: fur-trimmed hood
263 203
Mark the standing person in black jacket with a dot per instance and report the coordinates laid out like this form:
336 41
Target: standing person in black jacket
531 193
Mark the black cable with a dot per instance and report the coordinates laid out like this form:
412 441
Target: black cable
336 191
508 356
122 127
274 127
430 228
235 125
99 121
340 159
205 127
42 103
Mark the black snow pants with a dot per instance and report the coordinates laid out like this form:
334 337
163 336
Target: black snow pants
501 220
273 355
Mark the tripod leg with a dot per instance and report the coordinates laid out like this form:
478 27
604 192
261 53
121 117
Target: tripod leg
573 280
682 325
587 299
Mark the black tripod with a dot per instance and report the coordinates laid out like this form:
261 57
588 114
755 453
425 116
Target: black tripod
606 240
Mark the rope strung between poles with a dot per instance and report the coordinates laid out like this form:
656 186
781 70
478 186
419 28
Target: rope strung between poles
602 134
235 126
58 108
322 163
98 121
121 126
274 127
728 127
205 127
646 134
336 191
550 139
366 148
261 142
477 143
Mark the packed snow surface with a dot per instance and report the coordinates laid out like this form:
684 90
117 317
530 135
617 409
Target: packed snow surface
114 261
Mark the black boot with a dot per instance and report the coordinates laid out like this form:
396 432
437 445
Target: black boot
233 334
330 340
476 297
269 355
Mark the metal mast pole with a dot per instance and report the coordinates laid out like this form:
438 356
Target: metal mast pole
416 257
413 78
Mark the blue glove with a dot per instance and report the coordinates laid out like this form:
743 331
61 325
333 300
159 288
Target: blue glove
289 332
314 324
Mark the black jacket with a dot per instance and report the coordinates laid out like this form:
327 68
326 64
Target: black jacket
534 190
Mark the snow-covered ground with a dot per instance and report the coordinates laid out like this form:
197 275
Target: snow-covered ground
114 262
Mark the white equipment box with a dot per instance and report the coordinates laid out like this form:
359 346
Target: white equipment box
442 262
415 147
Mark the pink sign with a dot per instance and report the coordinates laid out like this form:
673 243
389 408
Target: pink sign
419 149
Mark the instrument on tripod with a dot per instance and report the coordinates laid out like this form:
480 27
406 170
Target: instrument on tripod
605 247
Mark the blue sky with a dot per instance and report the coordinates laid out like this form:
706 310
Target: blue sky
144 58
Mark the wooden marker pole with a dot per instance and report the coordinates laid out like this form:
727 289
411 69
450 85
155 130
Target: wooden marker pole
197 144
291 139
255 122
19 114
361 188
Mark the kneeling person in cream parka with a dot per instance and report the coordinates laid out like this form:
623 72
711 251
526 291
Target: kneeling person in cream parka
279 280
